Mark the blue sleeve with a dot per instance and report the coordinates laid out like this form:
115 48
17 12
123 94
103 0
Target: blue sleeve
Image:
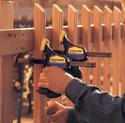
93 106
71 116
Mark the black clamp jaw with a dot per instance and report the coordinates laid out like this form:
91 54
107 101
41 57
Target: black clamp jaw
52 59
77 53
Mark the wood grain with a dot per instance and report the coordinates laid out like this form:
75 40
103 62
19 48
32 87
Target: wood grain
86 37
72 24
57 22
97 20
6 67
39 100
115 48
106 46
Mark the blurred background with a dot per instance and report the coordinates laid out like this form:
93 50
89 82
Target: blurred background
24 9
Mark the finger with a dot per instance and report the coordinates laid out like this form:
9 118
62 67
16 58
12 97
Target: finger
51 107
50 68
60 106
54 106
50 120
46 69
43 85
55 116
43 79
41 74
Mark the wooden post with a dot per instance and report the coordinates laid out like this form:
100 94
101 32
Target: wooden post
86 37
106 47
39 100
57 22
6 67
115 51
72 24
97 14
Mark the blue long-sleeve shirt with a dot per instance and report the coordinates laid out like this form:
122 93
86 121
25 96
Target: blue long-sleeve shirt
93 106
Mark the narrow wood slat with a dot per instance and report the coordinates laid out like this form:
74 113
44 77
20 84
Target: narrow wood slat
1 91
122 60
39 24
72 29
57 22
72 24
97 20
123 14
1 13
115 51
86 36
106 47
6 15
6 67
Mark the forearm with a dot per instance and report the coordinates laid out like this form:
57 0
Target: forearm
93 106
77 89
71 116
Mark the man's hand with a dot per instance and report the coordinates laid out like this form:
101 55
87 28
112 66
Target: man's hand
56 112
55 79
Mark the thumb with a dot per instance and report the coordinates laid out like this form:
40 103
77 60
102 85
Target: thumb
51 107
56 116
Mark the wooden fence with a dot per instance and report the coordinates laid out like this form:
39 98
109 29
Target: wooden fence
100 30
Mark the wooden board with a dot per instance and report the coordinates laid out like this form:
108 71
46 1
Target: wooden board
72 29
57 22
97 20
6 16
122 59
115 51
107 34
72 24
16 40
86 37
39 100
6 67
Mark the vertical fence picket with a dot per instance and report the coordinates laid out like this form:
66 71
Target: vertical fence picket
97 20
72 28
122 50
86 36
106 47
57 22
6 67
39 100
72 24
122 60
115 52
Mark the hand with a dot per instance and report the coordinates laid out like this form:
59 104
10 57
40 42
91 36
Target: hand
55 79
56 112
124 21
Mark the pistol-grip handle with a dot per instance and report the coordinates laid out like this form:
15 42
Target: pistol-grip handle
48 93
